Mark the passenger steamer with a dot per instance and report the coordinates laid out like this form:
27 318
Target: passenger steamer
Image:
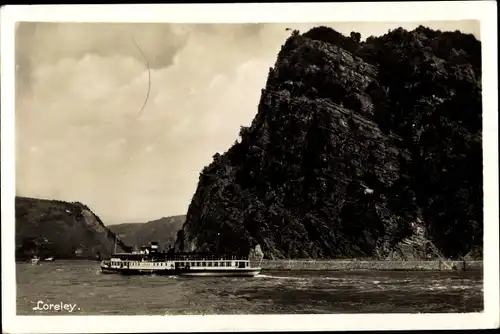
149 261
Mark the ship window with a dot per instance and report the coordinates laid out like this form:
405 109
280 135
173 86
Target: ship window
209 264
228 264
216 264
192 264
198 264
204 264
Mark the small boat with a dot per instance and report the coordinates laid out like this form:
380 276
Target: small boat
150 261
35 260
49 259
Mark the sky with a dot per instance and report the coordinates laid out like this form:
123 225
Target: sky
82 133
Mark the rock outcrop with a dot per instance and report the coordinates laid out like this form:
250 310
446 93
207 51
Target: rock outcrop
356 148
63 230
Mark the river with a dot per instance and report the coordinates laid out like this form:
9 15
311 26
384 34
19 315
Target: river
81 284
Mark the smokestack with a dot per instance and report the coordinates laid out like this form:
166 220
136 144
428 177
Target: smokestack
154 246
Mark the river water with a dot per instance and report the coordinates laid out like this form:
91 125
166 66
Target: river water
81 284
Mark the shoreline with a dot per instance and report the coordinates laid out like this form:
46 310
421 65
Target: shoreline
345 264
414 265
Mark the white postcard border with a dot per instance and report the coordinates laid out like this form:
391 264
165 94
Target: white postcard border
485 11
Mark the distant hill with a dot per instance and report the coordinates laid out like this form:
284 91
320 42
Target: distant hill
61 230
163 230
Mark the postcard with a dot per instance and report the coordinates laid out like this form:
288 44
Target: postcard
236 167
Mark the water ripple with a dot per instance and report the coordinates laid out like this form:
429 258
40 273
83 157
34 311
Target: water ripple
272 292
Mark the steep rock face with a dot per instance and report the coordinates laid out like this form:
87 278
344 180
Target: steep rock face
356 149
61 230
163 231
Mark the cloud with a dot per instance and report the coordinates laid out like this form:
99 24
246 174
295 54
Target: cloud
82 87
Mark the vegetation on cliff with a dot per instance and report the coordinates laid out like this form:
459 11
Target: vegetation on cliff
357 149
163 231
49 228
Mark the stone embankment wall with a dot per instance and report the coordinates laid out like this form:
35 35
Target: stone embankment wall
369 265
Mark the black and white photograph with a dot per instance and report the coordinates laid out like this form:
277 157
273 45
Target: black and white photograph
221 166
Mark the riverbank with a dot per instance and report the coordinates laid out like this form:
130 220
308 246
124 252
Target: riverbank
435 265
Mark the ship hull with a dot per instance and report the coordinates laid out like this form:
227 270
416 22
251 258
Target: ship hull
106 270
247 272
222 273
134 272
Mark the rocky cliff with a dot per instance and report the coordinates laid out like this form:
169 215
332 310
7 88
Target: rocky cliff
163 231
358 149
61 230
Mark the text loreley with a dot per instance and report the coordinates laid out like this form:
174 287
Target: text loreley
61 306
